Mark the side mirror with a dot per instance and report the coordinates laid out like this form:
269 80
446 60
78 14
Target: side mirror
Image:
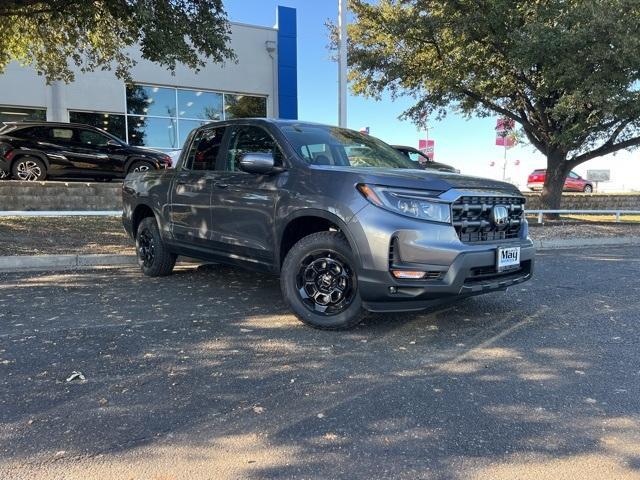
259 163
113 143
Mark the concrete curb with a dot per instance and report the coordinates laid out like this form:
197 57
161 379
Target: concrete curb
72 262
560 243
63 262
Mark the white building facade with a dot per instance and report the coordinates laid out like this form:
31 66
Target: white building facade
158 109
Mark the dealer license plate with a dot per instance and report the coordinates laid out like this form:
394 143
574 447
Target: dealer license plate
508 258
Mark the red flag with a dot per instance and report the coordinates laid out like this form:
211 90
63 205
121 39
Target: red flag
427 147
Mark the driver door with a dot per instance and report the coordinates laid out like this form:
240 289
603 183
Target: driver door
243 204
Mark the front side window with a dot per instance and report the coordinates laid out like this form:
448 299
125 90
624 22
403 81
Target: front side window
204 149
92 139
343 148
250 140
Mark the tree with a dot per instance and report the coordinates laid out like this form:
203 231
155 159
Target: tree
56 35
567 71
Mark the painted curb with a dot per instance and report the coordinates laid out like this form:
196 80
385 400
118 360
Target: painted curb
70 262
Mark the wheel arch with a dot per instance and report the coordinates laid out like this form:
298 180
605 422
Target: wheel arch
30 153
140 212
305 222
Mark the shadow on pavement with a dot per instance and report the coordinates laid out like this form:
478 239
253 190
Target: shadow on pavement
210 364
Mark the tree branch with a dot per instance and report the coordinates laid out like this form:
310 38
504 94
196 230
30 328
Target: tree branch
604 150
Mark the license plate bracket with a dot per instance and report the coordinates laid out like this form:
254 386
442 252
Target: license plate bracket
507 258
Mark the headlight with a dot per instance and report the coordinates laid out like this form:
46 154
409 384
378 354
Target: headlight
412 203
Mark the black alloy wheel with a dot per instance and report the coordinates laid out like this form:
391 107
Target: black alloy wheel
154 257
319 281
326 283
146 248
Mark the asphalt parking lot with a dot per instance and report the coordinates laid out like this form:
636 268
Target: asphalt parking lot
206 375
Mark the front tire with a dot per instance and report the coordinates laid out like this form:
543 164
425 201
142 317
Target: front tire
319 282
29 169
587 189
154 257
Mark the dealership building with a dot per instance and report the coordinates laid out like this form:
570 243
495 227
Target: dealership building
158 109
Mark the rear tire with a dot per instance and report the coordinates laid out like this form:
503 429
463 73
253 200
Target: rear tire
319 282
140 166
154 257
29 169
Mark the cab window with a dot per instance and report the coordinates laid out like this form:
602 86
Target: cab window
204 149
250 139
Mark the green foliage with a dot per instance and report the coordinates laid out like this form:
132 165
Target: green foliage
568 71
57 35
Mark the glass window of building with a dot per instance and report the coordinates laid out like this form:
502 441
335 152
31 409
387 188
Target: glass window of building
162 117
109 122
196 104
10 114
153 132
244 106
153 101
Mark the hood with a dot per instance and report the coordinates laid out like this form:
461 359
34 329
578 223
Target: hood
148 152
420 179
439 166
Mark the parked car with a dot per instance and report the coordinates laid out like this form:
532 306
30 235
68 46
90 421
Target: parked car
422 161
573 182
37 150
344 219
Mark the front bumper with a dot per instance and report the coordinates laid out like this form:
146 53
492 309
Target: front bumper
5 165
455 269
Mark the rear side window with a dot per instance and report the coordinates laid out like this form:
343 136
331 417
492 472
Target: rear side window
62 133
205 149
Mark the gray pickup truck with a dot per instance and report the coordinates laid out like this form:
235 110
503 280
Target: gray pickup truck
346 221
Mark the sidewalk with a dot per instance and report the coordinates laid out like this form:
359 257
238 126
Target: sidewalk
72 262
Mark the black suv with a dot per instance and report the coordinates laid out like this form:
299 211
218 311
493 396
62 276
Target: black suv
34 151
345 220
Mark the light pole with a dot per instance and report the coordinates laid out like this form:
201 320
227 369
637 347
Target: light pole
342 63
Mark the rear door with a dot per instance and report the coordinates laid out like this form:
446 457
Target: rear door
192 185
243 204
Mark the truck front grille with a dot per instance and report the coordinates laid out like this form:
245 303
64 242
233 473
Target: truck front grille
472 218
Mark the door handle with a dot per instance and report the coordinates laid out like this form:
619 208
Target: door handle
220 185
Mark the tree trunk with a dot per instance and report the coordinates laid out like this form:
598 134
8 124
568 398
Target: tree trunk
557 170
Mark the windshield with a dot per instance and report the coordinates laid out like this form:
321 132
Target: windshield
332 146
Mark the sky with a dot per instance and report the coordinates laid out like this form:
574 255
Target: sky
468 144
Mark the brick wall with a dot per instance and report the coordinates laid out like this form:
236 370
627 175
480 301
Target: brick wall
593 201
16 195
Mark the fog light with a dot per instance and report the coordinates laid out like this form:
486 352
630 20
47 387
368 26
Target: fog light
393 290
407 274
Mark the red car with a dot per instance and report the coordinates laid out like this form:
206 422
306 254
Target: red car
573 183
